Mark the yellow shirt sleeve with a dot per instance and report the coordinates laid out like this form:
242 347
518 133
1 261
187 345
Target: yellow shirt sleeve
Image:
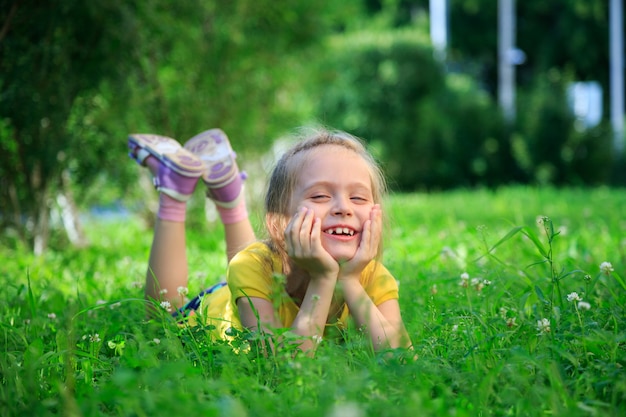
379 284
252 273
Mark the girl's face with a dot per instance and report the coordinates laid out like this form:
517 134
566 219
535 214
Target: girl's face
335 183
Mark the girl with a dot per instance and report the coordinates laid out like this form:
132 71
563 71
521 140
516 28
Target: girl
319 264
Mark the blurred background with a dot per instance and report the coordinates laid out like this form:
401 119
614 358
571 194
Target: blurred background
447 93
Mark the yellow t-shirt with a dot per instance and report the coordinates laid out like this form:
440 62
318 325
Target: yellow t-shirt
257 272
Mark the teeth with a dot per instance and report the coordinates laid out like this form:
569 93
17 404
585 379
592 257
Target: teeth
341 231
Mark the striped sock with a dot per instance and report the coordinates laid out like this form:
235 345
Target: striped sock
171 209
234 214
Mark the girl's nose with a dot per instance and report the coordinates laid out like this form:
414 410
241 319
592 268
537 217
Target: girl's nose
342 207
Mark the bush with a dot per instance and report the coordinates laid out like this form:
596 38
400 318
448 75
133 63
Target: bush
549 146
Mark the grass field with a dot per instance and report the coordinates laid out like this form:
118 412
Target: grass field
514 300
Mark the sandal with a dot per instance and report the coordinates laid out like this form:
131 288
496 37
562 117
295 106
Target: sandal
179 169
221 175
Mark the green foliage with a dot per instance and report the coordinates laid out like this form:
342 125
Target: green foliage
550 147
51 55
77 77
560 34
478 273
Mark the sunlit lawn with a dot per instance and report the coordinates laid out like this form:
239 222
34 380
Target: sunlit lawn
502 292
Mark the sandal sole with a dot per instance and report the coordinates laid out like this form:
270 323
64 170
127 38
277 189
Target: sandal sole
168 151
213 148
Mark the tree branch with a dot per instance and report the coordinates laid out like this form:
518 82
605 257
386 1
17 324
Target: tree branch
7 23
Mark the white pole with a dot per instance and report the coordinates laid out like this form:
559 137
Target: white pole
616 48
439 27
506 69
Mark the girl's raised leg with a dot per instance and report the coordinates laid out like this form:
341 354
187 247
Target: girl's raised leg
167 265
224 184
175 172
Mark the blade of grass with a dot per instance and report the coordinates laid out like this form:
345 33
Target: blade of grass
31 298
506 237
533 237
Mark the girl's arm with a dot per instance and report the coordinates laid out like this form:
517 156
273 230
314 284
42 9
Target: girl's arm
309 322
303 241
383 322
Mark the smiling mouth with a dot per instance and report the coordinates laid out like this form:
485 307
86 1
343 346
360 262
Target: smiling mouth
341 231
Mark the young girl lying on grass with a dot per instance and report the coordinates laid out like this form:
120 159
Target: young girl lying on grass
324 226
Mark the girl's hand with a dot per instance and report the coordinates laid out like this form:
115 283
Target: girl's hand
368 247
304 245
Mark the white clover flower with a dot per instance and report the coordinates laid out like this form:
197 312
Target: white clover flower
163 291
583 305
479 284
156 341
486 282
182 291
464 280
433 289
510 322
573 296
166 305
94 338
543 326
52 316
455 328
447 253
606 268
317 339
503 311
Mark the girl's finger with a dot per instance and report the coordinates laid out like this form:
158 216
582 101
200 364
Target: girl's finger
292 232
316 233
367 236
376 226
305 231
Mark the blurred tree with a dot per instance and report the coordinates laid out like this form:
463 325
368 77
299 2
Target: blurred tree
51 53
77 76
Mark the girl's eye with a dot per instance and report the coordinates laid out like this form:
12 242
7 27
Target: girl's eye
319 197
360 199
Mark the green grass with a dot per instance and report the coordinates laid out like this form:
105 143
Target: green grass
480 352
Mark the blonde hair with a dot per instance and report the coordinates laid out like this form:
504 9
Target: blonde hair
284 178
